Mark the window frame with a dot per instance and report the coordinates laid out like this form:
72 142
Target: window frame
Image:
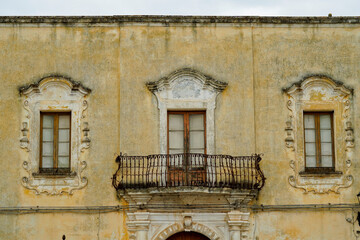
186 122
318 168
55 169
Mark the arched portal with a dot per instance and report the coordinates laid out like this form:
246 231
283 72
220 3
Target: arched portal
188 236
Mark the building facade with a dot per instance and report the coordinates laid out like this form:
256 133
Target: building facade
179 127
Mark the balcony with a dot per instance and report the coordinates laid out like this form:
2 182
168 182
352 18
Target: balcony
188 171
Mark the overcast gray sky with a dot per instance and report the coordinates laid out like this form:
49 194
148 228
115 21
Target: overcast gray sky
182 7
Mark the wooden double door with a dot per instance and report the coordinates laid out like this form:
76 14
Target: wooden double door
186 139
188 236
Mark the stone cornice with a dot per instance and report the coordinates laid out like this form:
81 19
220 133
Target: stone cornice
163 19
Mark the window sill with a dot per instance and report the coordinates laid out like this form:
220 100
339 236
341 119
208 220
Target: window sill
54 173
320 174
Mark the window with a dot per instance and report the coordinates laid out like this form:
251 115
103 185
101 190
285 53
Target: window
319 142
186 132
55 142
56 135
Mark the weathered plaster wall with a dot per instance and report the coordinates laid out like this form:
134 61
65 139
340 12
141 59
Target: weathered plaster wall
116 61
87 55
149 53
301 225
284 56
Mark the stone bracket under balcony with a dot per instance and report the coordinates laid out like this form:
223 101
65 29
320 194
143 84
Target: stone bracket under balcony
185 196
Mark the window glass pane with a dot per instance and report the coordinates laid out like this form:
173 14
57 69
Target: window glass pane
63 149
176 139
64 135
176 122
48 135
196 121
196 139
310 161
47 162
48 121
63 162
326 161
325 121
310 149
47 149
309 121
326 149
325 135
64 121
310 135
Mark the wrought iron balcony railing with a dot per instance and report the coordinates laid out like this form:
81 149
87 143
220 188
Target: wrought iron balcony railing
188 170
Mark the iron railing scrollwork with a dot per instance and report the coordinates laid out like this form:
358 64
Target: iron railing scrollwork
188 170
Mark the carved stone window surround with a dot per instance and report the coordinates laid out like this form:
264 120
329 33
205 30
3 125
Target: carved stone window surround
187 89
53 94
319 93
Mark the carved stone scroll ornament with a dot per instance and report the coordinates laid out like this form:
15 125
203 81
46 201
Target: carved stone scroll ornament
24 141
319 93
54 93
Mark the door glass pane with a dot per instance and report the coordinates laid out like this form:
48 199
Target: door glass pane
64 121
48 135
310 161
47 149
309 121
176 151
310 149
196 121
326 161
176 122
197 150
63 162
196 139
47 162
48 121
310 135
325 135
64 135
176 139
325 121
63 149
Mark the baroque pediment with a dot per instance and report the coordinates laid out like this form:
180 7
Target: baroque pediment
186 83
318 88
54 82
